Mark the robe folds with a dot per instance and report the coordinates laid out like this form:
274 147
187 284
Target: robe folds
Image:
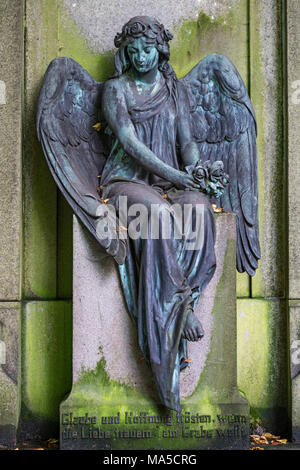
162 276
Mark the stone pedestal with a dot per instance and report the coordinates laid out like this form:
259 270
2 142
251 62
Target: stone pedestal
113 402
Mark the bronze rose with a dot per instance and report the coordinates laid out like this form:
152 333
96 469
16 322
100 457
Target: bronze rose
210 176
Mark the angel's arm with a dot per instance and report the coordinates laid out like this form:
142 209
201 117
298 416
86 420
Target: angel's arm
116 114
190 154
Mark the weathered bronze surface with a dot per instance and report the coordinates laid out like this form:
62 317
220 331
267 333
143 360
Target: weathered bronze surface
155 139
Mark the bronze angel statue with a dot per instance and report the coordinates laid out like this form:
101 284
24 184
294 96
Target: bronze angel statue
156 140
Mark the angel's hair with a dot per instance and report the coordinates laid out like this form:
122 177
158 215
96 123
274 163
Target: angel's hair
152 30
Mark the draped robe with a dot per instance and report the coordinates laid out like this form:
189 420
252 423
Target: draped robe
161 278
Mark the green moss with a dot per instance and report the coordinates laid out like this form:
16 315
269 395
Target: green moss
98 386
188 47
226 34
254 350
262 373
39 231
96 394
72 43
46 358
243 283
39 189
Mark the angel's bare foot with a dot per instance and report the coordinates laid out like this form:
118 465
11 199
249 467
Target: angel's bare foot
193 330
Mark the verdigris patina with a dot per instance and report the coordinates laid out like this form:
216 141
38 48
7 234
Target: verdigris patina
155 141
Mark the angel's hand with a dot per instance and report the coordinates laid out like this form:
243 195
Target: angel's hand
186 181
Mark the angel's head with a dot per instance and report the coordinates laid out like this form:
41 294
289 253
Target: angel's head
143 44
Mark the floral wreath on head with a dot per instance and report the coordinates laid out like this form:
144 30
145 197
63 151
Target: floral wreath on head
138 27
143 26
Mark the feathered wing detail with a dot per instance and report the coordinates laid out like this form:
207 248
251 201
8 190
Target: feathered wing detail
224 125
68 108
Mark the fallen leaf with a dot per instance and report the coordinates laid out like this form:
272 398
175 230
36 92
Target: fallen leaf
282 441
268 435
52 442
164 196
188 360
277 442
122 228
263 440
217 209
259 439
104 200
257 448
99 176
97 126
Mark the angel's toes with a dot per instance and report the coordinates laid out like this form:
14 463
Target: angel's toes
200 331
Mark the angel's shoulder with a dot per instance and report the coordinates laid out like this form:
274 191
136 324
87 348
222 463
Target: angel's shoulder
112 84
113 87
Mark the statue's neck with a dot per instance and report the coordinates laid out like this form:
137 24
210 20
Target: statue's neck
148 78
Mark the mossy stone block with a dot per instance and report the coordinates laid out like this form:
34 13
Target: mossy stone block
295 367
46 365
262 360
9 372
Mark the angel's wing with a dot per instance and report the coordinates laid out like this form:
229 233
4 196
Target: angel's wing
68 108
224 125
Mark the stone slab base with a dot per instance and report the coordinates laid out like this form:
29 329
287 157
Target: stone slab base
128 426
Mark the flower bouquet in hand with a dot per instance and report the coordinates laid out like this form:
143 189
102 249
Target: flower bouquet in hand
210 176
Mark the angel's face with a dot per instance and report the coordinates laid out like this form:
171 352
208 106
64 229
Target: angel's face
143 54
